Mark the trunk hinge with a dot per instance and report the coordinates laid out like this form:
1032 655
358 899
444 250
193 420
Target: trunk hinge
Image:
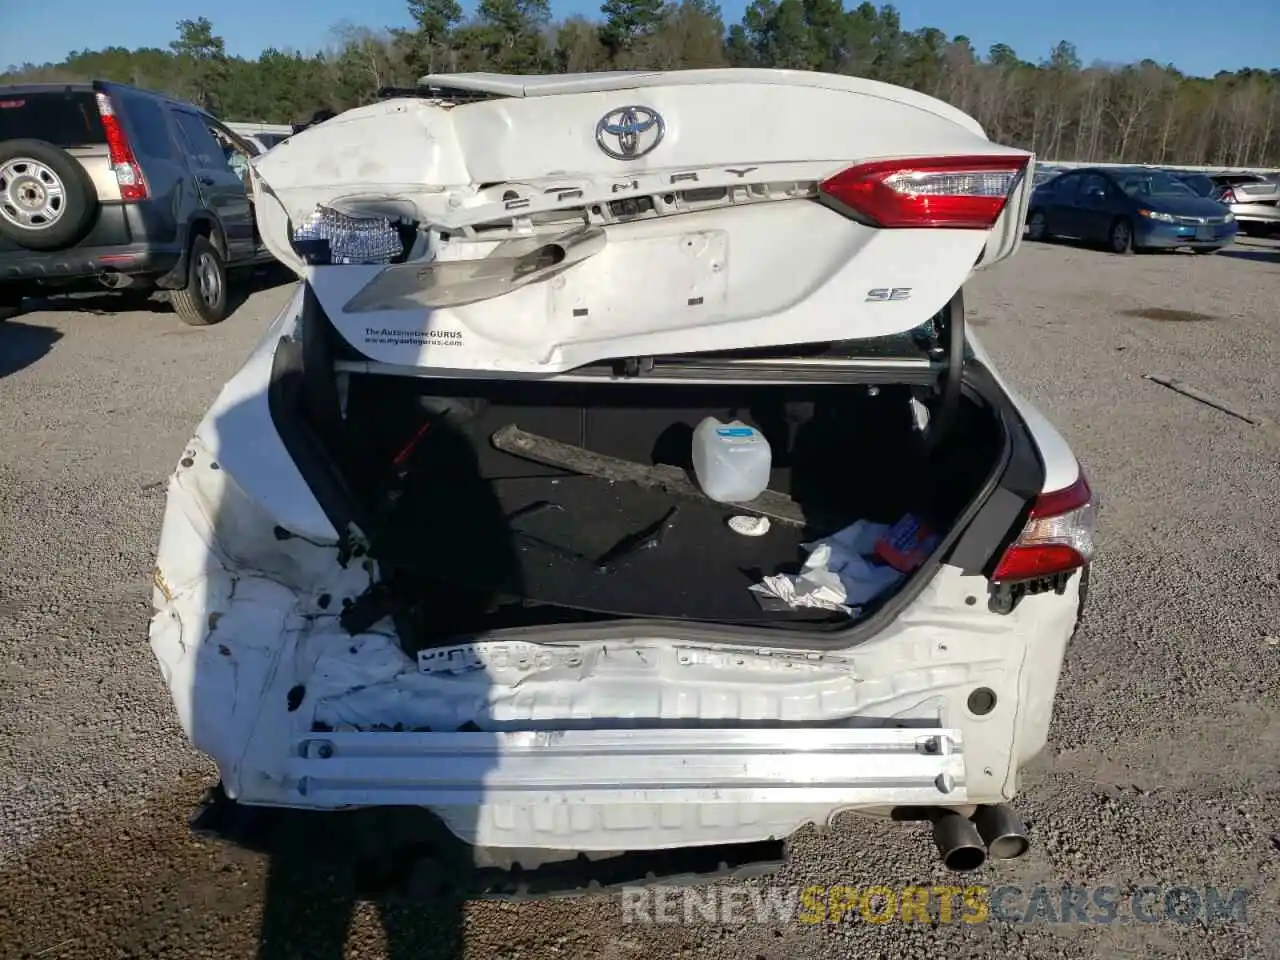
950 335
351 543
380 600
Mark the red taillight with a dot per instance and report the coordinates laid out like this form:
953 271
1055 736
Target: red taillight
1228 196
961 193
133 185
1057 538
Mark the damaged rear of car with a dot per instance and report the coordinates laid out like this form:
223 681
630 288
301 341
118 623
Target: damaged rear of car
623 477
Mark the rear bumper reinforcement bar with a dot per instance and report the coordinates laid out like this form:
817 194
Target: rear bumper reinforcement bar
898 766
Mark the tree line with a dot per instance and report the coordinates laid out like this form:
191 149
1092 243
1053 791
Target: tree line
1056 106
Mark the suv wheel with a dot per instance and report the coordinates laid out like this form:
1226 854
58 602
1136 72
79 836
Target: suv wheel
46 199
204 299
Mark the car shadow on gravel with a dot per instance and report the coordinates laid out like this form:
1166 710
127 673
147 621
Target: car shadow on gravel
1260 254
281 886
22 344
330 877
239 289
1093 246
135 881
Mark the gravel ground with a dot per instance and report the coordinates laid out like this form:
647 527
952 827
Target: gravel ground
1164 767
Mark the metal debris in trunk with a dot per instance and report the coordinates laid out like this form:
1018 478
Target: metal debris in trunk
529 446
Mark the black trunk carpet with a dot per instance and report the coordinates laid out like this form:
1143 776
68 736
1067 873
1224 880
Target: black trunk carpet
539 538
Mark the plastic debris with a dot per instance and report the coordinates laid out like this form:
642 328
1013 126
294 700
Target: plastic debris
749 526
850 568
906 545
815 586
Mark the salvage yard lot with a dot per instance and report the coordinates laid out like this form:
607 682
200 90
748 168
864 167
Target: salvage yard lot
1164 764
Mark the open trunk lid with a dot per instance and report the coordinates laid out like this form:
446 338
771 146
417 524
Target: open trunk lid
1259 191
537 224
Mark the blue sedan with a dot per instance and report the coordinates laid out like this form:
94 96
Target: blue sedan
1128 209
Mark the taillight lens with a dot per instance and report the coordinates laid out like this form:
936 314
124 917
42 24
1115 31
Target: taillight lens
1057 538
1228 196
960 193
328 236
133 185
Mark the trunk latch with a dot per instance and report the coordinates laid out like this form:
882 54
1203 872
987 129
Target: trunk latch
633 367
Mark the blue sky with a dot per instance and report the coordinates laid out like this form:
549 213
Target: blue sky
1197 37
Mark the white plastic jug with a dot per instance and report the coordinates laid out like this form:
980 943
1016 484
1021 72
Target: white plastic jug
731 460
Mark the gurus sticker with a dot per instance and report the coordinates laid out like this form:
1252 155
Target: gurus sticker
413 338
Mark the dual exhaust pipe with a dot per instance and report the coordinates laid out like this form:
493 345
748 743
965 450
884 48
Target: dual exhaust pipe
965 842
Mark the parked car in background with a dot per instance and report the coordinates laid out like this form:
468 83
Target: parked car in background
105 187
1044 174
322 115
268 140
1128 209
1253 199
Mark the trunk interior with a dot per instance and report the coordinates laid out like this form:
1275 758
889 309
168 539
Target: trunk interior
476 539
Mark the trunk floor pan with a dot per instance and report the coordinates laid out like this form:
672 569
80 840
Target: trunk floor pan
465 535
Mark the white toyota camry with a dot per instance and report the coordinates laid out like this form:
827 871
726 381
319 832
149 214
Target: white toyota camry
623 475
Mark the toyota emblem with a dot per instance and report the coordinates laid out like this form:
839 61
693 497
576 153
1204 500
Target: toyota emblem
629 133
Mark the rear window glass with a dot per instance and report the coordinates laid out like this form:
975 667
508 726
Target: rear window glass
63 119
1153 184
150 129
204 148
1067 184
1202 186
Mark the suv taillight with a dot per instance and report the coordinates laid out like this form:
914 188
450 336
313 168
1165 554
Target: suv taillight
1057 537
133 185
1228 196
961 193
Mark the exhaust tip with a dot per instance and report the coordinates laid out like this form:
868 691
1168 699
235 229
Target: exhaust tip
959 843
1002 831
1008 848
964 859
